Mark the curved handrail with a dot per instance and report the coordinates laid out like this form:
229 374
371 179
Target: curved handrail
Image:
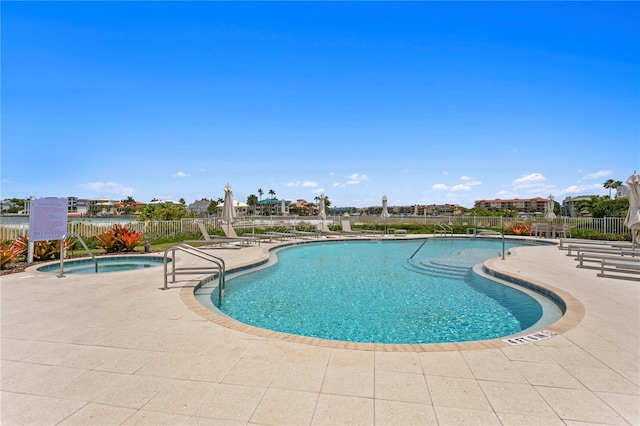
491 232
62 251
219 262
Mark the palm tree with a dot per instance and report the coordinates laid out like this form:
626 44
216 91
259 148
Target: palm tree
272 193
588 205
608 184
252 200
260 193
615 185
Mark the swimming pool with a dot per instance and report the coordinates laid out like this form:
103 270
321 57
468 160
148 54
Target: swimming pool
105 264
367 291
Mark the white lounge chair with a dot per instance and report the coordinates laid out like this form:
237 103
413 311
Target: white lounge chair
230 233
346 228
216 242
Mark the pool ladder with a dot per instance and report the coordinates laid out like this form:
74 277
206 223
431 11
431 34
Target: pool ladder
218 270
63 252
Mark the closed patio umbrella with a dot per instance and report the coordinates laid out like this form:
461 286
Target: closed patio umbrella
548 209
322 215
385 212
228 211
632 220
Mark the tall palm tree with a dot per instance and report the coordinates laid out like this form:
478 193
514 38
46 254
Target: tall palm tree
252 200
260 193
608 184
272 193
615 185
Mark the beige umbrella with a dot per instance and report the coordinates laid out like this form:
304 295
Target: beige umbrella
385 212
228 211
548 209
632 220
322 215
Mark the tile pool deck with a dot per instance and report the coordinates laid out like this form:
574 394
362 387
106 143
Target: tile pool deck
114 349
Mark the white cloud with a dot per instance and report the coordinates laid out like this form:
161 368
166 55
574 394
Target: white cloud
533 177
358 177
598 175
304 184
353 179
591 189
108 187
440 187
461 187
181 175
466 178
534 180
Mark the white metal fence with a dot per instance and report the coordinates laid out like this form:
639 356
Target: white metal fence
160 229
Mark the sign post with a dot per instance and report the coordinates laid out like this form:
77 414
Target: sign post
47 221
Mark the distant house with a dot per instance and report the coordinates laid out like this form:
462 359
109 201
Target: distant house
302 207
273 207
200 207
240 208
6 205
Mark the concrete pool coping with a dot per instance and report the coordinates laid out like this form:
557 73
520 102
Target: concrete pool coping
115 349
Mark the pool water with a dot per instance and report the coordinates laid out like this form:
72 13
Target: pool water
368 291
105 264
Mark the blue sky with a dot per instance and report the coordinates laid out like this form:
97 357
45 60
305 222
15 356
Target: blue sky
424 102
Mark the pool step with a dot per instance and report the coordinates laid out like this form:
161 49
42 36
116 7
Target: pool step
440 271
454 265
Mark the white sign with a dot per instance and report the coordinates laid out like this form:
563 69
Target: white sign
48 219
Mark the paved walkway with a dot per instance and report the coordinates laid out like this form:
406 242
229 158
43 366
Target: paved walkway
114 349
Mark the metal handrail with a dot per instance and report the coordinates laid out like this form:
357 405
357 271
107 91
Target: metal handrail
63 251
444 229
415 252
491 232
219 262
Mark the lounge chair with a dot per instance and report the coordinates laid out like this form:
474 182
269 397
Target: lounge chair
230 233
302 234
216 242
324 229
219 241
346 228
537 229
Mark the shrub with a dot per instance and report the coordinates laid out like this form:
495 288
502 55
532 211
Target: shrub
119 238
8 253
42 250
521 229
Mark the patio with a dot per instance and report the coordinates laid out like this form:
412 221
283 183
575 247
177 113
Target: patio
115 349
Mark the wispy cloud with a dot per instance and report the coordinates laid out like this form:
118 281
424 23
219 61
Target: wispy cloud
440 187
304 184
461 187
534 180
181 175
352 179
591 189
533 177
108 188
356 178
598 175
